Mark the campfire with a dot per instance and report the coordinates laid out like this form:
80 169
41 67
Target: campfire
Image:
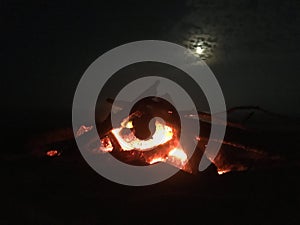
151 136
135 143
163 146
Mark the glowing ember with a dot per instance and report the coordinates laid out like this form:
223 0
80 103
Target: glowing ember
220 172
83 129
52 153
106 145
162 135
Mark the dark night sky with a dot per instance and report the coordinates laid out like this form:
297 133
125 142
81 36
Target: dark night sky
47 45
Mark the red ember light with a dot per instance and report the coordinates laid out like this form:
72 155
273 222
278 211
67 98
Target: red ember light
52 153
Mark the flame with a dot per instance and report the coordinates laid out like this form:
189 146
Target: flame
162 135
157 159
163 142
129 124
178 156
